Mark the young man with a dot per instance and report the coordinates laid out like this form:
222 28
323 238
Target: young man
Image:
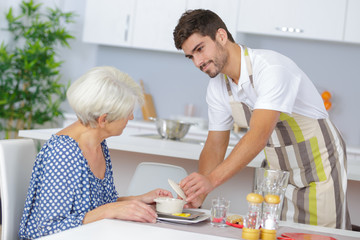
267 93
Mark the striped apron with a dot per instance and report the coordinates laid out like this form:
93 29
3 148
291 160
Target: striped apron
313 151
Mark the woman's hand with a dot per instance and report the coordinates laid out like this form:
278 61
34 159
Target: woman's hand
195 187
150 196
130 210
134 210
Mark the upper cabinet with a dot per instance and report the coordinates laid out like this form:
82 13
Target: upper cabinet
109 22
352 23
150 24
146 24
320 19
155 22
226 9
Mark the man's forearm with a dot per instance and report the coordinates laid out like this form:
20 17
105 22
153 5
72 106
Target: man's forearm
214 152
248 146
243 153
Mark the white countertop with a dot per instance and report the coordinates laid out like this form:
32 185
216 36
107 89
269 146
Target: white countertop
118 229
141 137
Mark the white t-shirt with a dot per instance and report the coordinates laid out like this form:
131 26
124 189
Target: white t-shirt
279 84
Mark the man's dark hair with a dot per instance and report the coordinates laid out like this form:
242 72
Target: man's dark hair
204 22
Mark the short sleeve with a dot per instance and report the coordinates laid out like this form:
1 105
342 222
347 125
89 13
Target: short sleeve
219 111
277 89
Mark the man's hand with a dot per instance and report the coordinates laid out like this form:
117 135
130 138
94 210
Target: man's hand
194 186
196 203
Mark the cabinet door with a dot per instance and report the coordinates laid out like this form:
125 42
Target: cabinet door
109 22
320 19
155 22
226 9
352 27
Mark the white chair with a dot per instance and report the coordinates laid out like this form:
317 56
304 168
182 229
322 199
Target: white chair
149 176
16 162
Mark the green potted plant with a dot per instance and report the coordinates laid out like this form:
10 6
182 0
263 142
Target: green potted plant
30 87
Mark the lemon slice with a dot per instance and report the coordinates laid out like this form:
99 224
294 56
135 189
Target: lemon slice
182 214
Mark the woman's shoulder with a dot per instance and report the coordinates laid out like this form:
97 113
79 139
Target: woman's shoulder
60 147
61 143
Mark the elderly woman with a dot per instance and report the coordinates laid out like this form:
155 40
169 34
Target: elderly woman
72 180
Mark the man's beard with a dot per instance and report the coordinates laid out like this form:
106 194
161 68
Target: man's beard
219 61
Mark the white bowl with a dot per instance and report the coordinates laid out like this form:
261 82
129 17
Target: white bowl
169 205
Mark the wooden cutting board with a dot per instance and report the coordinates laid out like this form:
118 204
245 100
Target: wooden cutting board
148 109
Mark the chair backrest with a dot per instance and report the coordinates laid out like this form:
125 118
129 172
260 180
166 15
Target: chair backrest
16 162
149 176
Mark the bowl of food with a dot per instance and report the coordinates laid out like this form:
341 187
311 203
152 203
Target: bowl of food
171 129
169 205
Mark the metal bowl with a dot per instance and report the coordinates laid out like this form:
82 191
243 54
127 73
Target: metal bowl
171 129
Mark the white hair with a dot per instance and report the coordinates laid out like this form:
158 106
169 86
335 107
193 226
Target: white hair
104 90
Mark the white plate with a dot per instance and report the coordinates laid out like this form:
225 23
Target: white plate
184 221
177 189
193 214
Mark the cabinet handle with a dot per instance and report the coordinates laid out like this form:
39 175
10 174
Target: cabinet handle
127 26
290 29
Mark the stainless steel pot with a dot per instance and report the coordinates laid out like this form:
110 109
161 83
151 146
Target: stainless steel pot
171 129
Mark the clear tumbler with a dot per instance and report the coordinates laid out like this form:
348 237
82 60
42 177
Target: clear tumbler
271 181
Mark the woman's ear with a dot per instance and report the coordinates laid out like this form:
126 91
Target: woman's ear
221 36
102 120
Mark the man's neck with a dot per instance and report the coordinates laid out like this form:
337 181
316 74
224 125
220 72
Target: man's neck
233 67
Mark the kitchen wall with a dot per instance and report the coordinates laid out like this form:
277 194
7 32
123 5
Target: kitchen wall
174 81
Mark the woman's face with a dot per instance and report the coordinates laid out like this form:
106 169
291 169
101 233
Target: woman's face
115 128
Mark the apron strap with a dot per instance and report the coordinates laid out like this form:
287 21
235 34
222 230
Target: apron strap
229 88
248 64
249 69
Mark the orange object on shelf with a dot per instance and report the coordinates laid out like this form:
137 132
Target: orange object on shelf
326 95
327 104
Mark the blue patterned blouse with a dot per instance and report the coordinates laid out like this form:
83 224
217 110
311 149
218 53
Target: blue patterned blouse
63 189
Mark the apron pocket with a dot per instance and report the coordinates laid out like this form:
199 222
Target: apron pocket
303 160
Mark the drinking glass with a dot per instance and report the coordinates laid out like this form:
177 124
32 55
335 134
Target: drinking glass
219 210
270 181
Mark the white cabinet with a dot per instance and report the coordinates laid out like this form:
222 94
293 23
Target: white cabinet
155 22
133 23
226 9
146 24
352 23
320 19
109 22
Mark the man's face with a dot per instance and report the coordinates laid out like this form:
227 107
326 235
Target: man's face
208 55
